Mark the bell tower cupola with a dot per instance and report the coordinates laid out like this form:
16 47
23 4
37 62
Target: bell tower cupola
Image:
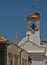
33 22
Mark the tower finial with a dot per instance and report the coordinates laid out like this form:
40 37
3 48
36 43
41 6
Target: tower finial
16 38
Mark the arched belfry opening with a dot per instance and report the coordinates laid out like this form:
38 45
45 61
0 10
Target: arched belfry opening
33 22
33 25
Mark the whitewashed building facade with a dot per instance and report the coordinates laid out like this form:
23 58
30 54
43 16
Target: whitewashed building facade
32 43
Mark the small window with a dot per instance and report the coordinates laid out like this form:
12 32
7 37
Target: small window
33 25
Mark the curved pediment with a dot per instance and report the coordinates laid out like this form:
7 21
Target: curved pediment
30 47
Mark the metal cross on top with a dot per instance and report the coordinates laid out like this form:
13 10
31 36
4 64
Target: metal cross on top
28 36
33 26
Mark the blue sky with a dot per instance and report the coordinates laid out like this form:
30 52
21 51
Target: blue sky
13 15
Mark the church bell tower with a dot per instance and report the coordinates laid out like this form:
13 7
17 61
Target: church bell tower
33 27
33 22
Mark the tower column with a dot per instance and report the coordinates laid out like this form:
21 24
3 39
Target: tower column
13 59
37 25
